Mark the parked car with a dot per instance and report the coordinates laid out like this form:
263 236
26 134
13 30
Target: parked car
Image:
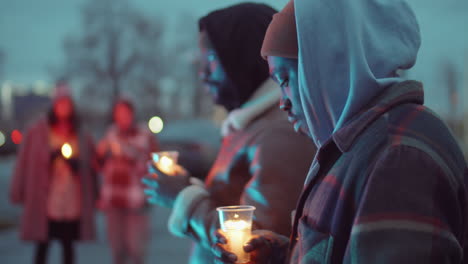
197 141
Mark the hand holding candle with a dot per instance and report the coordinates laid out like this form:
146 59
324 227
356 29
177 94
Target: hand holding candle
69 154
166 161
166 179
264 246
67 151
236 224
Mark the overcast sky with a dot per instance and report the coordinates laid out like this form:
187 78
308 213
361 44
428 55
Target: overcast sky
31 34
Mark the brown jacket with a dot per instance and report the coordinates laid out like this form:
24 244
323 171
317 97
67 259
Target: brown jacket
263 165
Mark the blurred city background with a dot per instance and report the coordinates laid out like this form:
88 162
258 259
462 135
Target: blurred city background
147 50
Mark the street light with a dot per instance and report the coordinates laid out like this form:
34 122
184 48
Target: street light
2 139
156 124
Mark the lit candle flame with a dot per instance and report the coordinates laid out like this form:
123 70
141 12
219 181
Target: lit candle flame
236 216
166 162
67 151
166 165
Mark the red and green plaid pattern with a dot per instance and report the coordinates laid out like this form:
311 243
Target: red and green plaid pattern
389 188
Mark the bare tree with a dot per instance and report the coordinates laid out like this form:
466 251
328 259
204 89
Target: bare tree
2 63
119 50
185 52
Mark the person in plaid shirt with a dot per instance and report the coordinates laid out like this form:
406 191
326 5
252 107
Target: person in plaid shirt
388 184
125 149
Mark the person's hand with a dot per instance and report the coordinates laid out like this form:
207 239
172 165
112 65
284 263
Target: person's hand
163 189
116 148
237 120
264 247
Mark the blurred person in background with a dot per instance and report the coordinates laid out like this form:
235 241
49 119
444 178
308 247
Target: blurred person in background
388 184
124 152
54 180
262 161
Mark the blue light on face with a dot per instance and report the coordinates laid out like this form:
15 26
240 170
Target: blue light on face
217 71
212 73
284 71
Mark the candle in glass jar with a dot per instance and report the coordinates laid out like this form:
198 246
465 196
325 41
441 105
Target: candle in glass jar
166 161
236 223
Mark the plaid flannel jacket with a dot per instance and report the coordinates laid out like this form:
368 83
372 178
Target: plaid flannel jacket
389 187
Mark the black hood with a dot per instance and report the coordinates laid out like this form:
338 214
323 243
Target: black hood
237 33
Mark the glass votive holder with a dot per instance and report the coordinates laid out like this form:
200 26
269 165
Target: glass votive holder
236 223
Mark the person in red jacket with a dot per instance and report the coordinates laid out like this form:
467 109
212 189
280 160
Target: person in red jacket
54 180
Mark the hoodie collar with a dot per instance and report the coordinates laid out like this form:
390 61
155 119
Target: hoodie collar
263 99
401 93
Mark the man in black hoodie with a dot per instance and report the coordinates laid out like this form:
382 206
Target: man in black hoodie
262 161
